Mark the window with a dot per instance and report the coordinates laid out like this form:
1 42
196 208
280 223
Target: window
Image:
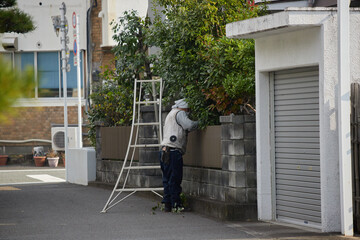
24 61
72 77
7 57
48 72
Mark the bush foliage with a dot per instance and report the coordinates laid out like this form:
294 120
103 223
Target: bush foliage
196 60
112 99
14 20
14 85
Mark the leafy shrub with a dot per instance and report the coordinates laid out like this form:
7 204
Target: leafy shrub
112 99
197 61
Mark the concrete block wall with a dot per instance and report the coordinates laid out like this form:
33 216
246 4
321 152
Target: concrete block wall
227 193
230 192
108 170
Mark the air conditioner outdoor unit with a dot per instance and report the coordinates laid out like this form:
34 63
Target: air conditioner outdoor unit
10 43
58 138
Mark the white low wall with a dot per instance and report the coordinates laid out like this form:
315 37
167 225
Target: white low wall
81 166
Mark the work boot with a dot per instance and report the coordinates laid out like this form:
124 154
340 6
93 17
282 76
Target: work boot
179 209
167 207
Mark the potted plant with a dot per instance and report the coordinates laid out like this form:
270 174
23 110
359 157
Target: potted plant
62 157
39 158
53 158
3 160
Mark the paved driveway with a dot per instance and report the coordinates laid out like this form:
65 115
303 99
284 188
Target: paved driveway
30 175
36 207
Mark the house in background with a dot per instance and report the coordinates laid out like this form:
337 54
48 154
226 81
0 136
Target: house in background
40 49
103 12
40 117
280 5
298 128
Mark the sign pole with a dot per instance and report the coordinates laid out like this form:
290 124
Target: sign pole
78 52
64 68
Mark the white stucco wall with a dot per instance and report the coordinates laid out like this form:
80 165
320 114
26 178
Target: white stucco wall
282 51
291 39
44 34
112 10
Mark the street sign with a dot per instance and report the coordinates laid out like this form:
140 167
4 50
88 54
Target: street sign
75 52
74 20
75 48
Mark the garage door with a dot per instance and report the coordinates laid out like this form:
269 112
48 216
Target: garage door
297 146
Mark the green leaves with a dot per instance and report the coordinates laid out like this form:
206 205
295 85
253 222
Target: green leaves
216 74
131 51
198 62
14 85
14 20
112 101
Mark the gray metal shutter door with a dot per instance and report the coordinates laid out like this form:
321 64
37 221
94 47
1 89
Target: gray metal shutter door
297 146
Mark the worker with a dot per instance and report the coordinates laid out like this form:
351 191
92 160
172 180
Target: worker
173 147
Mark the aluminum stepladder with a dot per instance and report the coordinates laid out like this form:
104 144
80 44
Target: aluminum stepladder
133 142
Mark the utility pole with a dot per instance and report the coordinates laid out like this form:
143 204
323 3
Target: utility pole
61 25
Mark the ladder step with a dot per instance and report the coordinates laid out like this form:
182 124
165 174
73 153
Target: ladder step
146 124
146 145
147 81
143 167
147 102
137 107
139 189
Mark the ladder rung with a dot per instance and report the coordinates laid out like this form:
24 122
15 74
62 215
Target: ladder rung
149 80
147 102
139 189
146 124
146 145
143 167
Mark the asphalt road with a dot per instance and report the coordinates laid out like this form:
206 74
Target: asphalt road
36 206
10 175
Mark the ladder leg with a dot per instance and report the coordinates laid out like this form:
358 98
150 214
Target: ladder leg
135 109
122 199
115 187
126 156
135 121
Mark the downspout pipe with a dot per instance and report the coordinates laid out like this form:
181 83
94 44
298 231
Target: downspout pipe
93 3
345 172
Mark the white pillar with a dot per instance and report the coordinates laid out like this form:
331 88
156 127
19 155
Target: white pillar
344 118
80 143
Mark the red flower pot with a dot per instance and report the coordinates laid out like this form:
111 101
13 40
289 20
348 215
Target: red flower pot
3 160
39 161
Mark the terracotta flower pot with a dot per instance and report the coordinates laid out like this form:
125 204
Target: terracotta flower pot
3 160
53 162
39 161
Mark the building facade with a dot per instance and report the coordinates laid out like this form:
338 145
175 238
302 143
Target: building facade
297 98
41 49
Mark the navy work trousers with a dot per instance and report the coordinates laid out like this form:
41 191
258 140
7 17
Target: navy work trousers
172 177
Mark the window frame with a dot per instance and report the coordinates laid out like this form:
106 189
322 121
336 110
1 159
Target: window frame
56 101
